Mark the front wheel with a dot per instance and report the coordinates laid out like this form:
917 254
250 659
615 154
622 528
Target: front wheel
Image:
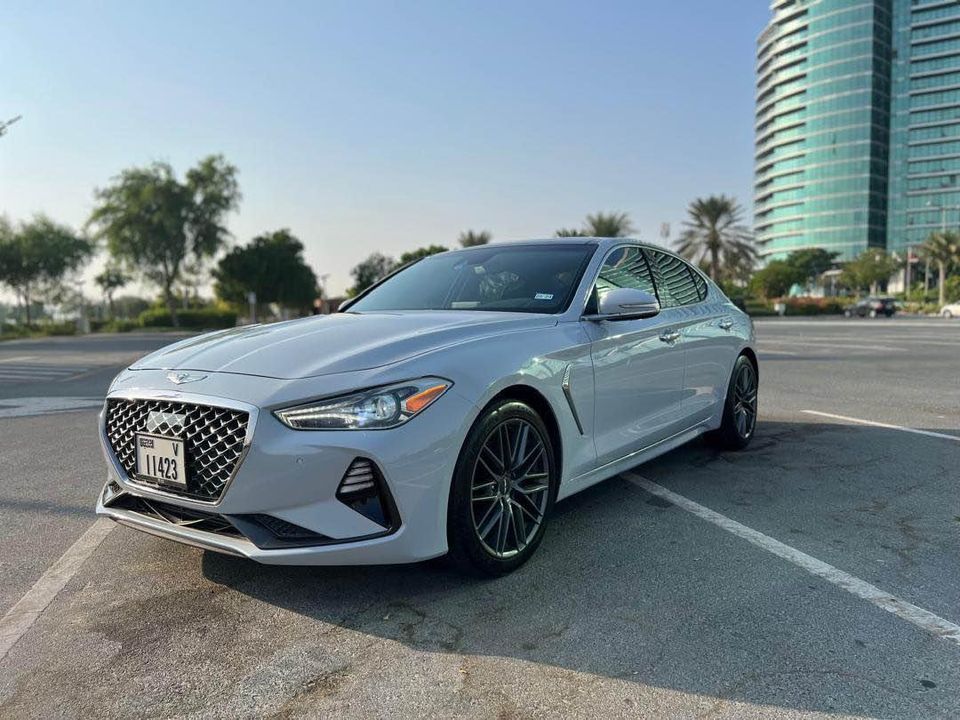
740 409
503 490
947 314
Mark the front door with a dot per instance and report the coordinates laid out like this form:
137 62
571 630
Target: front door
638 365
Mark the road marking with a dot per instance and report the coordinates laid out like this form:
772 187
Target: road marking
26 373
811 339
44 371
875 323
24 614
888 426
832 345
19 358
30 406
763 351
886 601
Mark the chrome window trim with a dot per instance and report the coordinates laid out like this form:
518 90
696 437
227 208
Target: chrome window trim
132 485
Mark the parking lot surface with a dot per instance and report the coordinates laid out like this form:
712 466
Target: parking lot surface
816 574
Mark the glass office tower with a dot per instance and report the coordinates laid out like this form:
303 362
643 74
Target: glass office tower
925 122
823 126
857 125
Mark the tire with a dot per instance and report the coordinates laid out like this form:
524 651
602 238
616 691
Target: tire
947 314
492 526
734 433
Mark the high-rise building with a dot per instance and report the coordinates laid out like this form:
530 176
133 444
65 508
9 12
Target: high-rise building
925 122
857 124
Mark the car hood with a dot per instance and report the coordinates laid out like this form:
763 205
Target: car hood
327 344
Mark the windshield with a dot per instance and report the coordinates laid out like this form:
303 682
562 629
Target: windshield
524 278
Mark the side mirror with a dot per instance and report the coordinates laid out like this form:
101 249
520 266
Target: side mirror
627 304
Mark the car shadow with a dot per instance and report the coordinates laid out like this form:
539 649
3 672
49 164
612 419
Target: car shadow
629 587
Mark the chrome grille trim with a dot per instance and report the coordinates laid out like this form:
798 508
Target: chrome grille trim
216 436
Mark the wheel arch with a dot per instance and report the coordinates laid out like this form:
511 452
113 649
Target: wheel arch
535 399
752 357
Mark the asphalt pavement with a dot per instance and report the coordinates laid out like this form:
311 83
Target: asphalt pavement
747 592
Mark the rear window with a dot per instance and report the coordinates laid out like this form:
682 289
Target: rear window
675 280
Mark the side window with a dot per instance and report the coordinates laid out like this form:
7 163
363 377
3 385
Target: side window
701 284
675 281
625 267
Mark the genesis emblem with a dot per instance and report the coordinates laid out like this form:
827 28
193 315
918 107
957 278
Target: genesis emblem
179 378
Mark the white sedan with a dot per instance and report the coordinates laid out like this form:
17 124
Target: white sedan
444 411
951 310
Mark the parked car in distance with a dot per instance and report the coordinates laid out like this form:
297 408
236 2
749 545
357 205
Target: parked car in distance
444 410
872 307
951 310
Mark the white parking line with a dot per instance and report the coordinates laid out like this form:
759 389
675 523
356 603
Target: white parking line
24 614
29 406
874 423
830 345
886 601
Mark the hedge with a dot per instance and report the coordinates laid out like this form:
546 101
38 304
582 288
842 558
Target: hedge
203 318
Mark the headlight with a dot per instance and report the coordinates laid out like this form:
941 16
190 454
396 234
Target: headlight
375 409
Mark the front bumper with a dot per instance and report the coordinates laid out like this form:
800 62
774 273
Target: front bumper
294 475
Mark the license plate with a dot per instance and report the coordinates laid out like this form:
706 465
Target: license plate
161 459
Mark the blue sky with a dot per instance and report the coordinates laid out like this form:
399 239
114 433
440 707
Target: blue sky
374 125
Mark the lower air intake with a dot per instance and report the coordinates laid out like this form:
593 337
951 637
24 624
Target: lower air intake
364 490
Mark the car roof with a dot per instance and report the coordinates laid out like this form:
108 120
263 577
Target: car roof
598 241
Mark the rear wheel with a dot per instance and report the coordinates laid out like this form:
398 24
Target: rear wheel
947 314
740 410
503 490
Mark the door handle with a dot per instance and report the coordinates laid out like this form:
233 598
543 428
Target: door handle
726 324
670 337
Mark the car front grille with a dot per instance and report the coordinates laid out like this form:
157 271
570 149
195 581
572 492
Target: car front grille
213 440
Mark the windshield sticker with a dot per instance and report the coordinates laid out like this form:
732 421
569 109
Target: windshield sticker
543 296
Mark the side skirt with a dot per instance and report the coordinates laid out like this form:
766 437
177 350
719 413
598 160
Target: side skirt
615 467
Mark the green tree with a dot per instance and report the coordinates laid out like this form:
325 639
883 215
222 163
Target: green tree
811 263
110 280
613 224
943 248
368 272
869 270
715 235
273 267
609 225
409 257
36 255
570 232
776 279
472 238
154 223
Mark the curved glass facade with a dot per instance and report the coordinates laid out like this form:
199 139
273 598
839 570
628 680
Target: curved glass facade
823 126
925 125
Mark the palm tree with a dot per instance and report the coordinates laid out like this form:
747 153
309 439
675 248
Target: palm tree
614 224
714 235
944 249
472 238
570 232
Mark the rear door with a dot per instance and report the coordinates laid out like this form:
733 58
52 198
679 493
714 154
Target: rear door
638 364
708 343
